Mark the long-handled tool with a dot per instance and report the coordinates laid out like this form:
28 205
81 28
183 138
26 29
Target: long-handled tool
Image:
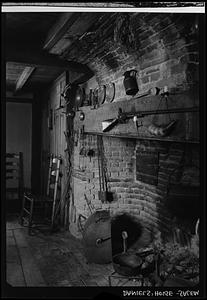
124 237
104 194
90 205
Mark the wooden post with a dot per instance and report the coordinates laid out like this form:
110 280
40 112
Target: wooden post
49 175
57 161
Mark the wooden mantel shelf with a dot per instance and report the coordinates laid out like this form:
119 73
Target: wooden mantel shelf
136 137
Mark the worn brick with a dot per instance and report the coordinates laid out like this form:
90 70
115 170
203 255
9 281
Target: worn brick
163 58
155 60
145 79
155 76
152 70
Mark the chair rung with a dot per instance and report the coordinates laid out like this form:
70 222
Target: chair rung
29 213
11 163
10 170
12 177
12 155
24 218
28 198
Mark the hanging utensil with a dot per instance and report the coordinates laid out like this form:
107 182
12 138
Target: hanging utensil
99 164
90 205
91 97
104 194
130 82
110 92
94 98
101 192
79 97
101 94
197 227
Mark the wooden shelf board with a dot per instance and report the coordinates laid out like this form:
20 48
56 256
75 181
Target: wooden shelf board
142 137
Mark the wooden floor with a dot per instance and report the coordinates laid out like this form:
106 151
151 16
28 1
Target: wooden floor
52 260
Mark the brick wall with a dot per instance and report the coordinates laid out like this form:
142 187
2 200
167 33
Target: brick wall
145 201
165 53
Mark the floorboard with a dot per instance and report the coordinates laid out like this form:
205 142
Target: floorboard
14 274
31 272
53 260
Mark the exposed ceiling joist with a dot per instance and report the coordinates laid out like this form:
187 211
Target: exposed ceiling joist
60 28
27 72
67 31
34 57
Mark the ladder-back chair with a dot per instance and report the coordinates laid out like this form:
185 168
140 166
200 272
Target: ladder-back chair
37 210
14 180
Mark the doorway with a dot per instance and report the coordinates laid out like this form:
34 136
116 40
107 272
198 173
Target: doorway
19 139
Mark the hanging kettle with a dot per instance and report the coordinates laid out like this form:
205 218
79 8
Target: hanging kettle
130 82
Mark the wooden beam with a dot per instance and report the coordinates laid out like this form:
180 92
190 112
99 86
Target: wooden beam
14 273
26 96
37 57
19 100
136 137
60 28
27 72
69 28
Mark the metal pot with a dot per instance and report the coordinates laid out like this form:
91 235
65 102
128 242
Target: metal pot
127 264
130 82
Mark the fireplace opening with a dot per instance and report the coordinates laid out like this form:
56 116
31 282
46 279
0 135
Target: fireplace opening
124 222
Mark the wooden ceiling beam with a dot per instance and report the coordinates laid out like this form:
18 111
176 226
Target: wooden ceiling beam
23 78
38 57
60 28
68 31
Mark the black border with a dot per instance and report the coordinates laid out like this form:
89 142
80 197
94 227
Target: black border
88 292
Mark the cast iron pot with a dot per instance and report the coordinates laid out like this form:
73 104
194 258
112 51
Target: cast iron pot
127 264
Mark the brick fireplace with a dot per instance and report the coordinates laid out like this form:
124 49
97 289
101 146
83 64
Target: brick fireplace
164 52
166 55
142 194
